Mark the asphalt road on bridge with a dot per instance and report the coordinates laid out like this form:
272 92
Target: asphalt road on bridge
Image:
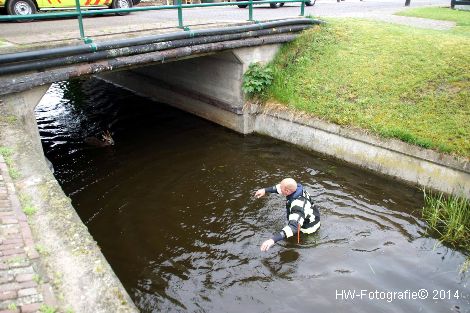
60 31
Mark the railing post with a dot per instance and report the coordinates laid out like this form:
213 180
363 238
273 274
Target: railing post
302 8
80 21
180 14
250 11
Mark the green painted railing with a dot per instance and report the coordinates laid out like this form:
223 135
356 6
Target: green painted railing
453 3
79 13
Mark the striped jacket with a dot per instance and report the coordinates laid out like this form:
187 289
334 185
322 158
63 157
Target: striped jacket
300 210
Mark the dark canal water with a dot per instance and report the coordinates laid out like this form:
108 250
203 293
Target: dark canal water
171 205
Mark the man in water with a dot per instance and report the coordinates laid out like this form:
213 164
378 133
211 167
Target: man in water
302 214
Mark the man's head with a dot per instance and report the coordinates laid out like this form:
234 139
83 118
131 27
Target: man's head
288 186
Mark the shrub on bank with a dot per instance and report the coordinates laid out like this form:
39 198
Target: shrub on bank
256 80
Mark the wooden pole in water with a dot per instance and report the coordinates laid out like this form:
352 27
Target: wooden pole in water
298 233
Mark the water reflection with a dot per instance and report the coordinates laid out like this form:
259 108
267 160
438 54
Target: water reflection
171 207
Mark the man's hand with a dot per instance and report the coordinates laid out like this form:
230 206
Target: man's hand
267 244
260 193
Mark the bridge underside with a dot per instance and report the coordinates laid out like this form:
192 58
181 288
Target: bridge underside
208 86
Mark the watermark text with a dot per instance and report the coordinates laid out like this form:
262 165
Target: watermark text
390 296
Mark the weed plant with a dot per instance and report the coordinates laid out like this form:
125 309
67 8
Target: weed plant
7 156
449 218
256 80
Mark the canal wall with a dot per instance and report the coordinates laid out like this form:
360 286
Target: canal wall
70 260
423 167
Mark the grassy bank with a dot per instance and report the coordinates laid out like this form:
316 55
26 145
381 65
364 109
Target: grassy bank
395 81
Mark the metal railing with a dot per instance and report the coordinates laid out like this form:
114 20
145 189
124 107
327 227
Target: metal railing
453 3
79 13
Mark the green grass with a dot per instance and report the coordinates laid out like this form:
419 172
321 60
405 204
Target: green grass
14 174
9 119
6 153
449 218
12 307
394 81
29 210
41 250
7 156
27 205
460 17
37 279
47 309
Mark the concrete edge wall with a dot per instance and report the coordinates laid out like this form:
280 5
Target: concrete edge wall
82 278
394 158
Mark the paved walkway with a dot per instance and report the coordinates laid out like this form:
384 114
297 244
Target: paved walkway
413 21
21 286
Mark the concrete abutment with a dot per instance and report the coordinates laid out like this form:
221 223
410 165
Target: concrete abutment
20 107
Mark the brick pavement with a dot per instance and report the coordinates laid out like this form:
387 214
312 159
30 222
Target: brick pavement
22 289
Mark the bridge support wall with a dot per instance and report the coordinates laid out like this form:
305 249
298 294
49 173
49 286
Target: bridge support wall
20 107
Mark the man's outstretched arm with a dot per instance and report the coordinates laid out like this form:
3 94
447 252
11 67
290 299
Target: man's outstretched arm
263 191
296 220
